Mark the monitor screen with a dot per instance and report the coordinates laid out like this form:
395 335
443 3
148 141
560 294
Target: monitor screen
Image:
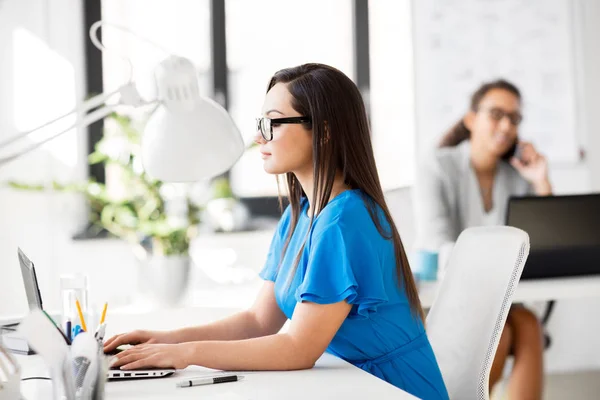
557 222
564 234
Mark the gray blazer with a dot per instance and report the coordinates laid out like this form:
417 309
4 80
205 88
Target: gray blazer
447 197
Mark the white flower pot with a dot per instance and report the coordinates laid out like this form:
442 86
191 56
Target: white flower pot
163 280
226 214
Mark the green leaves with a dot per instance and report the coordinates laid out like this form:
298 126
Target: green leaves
222 189
24 186
97 157
138 213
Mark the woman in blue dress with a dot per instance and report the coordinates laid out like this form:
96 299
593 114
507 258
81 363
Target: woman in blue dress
336 266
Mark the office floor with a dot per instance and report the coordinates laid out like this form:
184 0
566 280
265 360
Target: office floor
576 386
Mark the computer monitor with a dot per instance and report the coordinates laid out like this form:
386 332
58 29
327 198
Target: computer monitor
564 233
32 289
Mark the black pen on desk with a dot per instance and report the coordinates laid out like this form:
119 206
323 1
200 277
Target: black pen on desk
209 381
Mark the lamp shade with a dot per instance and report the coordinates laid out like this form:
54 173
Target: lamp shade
187 138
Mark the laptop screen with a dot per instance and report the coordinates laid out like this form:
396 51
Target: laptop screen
32 289
563 233
557 222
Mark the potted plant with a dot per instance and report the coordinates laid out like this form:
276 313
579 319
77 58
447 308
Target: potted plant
224 212
158 219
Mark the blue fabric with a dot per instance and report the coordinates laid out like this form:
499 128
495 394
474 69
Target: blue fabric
346 258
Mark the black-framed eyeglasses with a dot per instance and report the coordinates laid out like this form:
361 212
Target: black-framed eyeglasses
265 125
497 114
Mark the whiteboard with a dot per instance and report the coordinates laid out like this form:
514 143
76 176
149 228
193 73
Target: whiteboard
460 44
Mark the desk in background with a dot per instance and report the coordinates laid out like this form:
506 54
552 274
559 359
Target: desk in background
533 290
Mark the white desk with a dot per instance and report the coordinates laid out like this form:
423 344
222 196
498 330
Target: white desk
533 290
331 378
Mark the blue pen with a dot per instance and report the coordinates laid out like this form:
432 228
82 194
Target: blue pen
76 331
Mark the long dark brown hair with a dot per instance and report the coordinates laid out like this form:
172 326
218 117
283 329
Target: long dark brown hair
341 142
459 131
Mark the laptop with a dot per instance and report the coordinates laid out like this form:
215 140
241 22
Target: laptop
34 298
117 374
564 233
9 337
114 373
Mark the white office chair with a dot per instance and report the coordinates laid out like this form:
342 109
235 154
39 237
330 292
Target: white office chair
467 317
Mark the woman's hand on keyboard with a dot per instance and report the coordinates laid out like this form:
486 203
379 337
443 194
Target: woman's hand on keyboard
137 337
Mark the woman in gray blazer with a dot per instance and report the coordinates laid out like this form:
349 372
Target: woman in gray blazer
466 182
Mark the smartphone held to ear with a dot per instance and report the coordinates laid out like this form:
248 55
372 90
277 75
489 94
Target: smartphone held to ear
514 151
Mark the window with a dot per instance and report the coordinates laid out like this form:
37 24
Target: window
392 91
268 35
182 30
315 31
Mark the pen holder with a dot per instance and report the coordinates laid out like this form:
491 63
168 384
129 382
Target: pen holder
103 365
83 374
78 372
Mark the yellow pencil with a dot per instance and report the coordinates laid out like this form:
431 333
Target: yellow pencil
103 313
81 316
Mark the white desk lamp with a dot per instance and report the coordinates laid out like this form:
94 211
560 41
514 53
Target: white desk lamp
187 138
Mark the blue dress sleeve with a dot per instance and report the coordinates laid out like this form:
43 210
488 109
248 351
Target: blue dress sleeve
343 265
271 267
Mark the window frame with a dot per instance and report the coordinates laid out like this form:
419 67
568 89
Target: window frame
265 206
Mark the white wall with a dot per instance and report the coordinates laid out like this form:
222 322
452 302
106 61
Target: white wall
590 27
575 324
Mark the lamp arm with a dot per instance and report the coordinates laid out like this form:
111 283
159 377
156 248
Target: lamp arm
128 96
87 120
87 105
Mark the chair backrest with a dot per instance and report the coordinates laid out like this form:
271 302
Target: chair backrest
469 312
399 201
